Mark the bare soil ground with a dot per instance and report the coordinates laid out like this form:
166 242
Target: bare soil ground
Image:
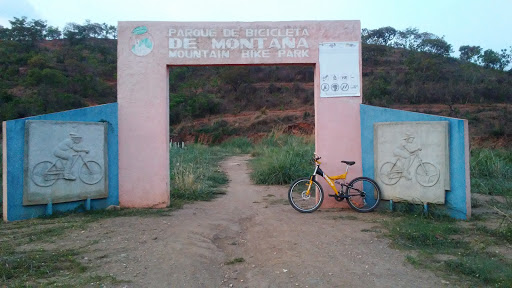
250 237
488 123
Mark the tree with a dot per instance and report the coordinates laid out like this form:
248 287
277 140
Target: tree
109 31
506 58
407 39
495 60
381 36
435 45
470 53
93 30
52 33
27 31
74 31
235 76
4 33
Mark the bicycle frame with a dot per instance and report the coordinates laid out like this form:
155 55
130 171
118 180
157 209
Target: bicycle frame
330 180
306 194
403 169
59 171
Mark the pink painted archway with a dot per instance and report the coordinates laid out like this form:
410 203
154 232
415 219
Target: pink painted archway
146 49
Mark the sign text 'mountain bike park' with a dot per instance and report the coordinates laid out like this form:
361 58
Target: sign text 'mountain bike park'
289 42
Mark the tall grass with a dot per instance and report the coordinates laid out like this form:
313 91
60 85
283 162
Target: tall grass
195 173
280 159
444 245
238 145
447 246
491 172
40 265
1 183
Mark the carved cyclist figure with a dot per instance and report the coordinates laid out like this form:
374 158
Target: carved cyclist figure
405 151
65 150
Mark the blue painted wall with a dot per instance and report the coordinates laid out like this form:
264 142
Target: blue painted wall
456 197
15 130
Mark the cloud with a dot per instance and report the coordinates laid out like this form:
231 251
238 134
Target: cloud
16 8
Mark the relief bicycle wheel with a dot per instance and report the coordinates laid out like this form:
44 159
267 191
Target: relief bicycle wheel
40 174
389 174
91 172
427 174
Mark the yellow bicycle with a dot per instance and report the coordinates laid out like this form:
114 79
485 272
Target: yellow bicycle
306 194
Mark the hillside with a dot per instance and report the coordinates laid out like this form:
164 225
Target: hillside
220 102
55 75
208 104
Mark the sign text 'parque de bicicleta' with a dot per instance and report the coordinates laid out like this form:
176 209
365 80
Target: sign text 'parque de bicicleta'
289 42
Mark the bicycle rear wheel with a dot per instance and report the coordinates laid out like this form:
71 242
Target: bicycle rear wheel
389 173
303 201
363 194
40 174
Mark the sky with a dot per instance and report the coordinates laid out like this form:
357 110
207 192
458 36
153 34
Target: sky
484 23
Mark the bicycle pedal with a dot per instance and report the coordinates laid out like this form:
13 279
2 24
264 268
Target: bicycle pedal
332 195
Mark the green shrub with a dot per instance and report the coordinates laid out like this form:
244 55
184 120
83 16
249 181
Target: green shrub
218 131
280 159
195 174
418 232
1 182
238 145
491 171
488 269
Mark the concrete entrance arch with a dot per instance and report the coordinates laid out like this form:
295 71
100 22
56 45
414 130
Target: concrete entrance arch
146 49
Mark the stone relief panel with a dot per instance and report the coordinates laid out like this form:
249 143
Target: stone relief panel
412 161
64 161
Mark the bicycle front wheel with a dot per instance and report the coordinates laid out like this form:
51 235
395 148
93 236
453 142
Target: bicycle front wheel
363 194
305 195
427 174
91 172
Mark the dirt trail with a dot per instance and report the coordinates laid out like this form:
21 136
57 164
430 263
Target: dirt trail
280 247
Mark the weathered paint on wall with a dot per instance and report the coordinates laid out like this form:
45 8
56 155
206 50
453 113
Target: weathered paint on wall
146 49
13 145
458 199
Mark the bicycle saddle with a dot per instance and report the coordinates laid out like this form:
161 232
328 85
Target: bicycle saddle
349 163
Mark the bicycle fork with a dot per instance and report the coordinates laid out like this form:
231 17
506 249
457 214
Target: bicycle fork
308 192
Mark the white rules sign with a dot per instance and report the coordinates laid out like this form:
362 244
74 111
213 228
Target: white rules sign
239 42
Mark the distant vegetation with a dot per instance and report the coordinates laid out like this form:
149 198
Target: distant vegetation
412 67
41 72
280 159
44 70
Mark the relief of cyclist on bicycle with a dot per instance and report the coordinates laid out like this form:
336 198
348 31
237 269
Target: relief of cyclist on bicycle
405 151
67 151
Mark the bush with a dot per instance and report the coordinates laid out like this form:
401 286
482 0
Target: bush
195 174
238 145
491 172
281 159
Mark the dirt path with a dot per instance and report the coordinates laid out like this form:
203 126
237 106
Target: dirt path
280 247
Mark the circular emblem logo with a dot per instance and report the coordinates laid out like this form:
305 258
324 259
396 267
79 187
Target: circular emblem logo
141 41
